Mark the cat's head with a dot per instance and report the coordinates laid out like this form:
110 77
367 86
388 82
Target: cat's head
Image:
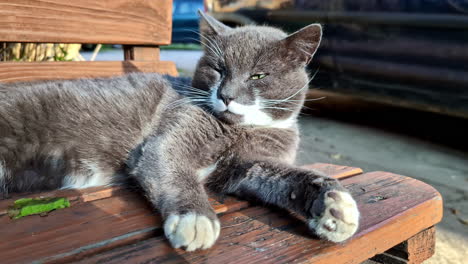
255 75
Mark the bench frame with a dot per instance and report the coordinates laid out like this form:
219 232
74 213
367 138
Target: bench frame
142 26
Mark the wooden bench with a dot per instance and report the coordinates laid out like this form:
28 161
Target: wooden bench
115 225
118 225
140 25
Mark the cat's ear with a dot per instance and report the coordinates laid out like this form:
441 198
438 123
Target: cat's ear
302 44
209 26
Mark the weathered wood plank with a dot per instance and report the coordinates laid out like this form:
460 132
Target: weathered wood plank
99 219
141 53
415 250
88 228
134 22
393 209
335 171
34 71
420 246
86 224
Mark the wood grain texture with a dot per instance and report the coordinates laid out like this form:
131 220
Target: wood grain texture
141 53
415 250
393 207
421 246
92 226
99 219
137 22
104 224
335 171
35 71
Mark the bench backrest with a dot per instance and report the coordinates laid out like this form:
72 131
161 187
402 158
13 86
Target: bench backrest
140 25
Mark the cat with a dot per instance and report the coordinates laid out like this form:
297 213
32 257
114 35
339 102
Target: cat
233 130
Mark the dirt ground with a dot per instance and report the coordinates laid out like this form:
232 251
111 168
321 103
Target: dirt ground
430 147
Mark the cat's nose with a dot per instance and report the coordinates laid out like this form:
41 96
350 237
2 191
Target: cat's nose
226 99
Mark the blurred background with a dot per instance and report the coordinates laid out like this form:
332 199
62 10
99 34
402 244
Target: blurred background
392 75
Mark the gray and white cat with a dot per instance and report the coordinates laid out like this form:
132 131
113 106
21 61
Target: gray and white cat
233 131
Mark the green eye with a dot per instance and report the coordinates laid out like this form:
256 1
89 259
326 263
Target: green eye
258 76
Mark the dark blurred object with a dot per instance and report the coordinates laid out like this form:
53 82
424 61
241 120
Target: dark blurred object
88 47
185 21
409 53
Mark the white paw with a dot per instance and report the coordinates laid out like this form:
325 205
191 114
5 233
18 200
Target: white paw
339 219
191 231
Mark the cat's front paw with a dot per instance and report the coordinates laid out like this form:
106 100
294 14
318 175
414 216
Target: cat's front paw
191 231
335 216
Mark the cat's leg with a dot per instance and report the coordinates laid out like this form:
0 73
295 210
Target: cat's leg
330 210
172 187
4 173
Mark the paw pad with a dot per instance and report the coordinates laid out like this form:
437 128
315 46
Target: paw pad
192 231
338 218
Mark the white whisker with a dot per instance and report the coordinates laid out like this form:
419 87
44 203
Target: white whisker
214 43
210 47
296 93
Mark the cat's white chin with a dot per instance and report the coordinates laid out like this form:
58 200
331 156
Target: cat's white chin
251 114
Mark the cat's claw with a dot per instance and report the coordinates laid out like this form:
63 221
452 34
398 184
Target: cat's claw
191 231
335 216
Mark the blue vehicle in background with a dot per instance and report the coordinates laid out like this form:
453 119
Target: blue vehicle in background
185 21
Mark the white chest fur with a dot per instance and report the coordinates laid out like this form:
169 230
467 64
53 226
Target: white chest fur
94 176
206 171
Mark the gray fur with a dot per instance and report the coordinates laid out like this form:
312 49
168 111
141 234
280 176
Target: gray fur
144 126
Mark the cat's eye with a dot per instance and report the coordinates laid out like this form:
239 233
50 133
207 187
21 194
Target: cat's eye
220 71
258 76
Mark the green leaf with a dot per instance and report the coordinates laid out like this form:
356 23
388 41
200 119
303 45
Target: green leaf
30 206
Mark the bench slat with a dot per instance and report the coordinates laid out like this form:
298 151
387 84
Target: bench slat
257 234
135 22
35 71
99 219
334 171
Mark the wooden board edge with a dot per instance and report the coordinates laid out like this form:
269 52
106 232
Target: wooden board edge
42 71
131 22
335 171
358 249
